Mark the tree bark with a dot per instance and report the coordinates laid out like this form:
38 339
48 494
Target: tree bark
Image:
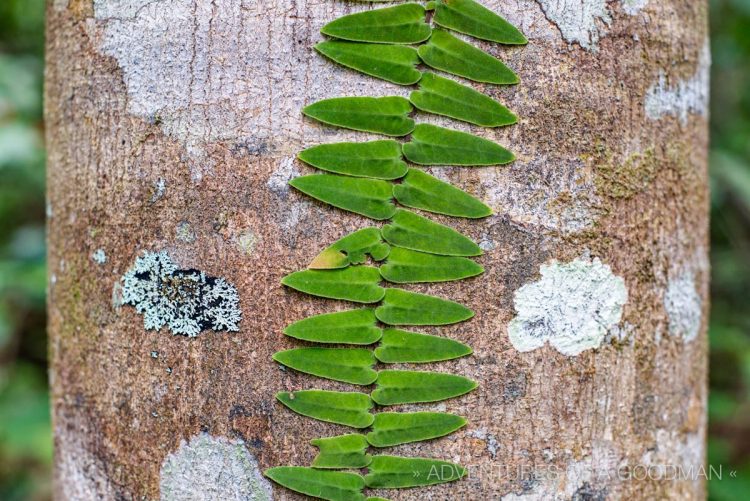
173 126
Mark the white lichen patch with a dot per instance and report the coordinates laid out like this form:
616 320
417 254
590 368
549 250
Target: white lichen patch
489 439
278 181
579 21
186 301
633 7
99 256
684 306
571 307
212 468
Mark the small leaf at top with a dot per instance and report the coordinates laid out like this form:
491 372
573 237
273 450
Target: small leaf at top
405 266
344 451
402 307
471 18
349 365
356 283
394 63
352 249
423 191
413 387
383 115
395 428
433 145
343 327
368 197
398 346
375 159
412 231
402 24
393 472
321 484
347 408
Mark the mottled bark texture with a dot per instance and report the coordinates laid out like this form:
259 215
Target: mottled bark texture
173 126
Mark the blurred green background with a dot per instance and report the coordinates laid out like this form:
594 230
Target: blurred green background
25 437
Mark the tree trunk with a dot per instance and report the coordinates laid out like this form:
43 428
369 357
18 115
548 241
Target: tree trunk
172 126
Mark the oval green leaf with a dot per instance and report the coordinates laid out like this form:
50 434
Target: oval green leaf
406 266
413 387
412 231
347 408
402 24
383 115
356 283
394 472
375 159
343 327
433 145
345 451
395 428
321 484
411 308
423 191
352 249
471 18
349 365
398 346
394 63
368 197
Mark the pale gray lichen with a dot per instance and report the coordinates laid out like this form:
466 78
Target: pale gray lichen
186 301
684 307
579 21
99 256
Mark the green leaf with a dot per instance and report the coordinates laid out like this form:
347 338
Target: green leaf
411 308
343 327
402 24
349 365
352 249
322 484
356 283
345 451
471 18
394 63
447 53
369 197
347 408
413 387
408 266
384 115
392 472
375 159
423 191
395 428
433 145
399 346
412 231
444 96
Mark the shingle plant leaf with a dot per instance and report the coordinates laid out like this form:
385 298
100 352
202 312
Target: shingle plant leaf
321 484
447 53
394 63
352 249
423 191
344 451
383 115
375 159
444 96
399 346
433 145
411 308
402 24
358 327
405 266
348 365
471 18
347 408
368 197
356 283
412 231
395 428
392 472
413 387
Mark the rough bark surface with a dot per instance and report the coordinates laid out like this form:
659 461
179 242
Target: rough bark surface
172 126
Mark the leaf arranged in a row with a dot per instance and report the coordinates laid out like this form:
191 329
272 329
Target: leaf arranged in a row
412 231
433 145
343 327
392 472
402 307
349 365
402 24
447 53
355 283
394 63
322 484
352 249
444 96
375 159
423 191
347 408
471 18
345 451
406 266
395 428
369 197
384 115
398 346
413 387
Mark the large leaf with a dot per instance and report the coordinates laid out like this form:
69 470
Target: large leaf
391 472
352 249
394 63
423 191
349 365
322 484
369 197
447 53
347 408
444 96
343 327
375 159
411 308
384 115
345 451
408 266
413 387
398 346
471 18
433 145
402 24
395 428
356 283
412 231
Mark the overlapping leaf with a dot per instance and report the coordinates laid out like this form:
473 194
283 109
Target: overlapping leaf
398 346
384 115
395 428
412 387
412 231
423 191
433 145
391 472
471 18
347 408
375 159
356 283
352 249
322 484
345 451
411 308
409 266
345 327
402 24
349 365
369 197
394 63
